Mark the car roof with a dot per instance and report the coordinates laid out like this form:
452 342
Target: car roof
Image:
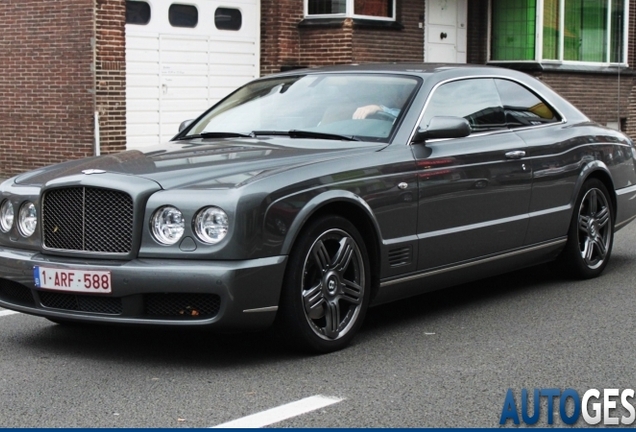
407 68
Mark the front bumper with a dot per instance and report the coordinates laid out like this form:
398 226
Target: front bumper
228 295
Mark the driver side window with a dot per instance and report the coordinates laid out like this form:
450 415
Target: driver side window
476 100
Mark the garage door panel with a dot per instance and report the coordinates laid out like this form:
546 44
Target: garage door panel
174 74
185 44
140 142
134 69
144 94
143 80
231 47
141 42
141 56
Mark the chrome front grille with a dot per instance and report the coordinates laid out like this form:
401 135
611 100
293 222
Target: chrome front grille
87 219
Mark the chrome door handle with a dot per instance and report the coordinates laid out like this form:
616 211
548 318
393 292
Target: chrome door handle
515 154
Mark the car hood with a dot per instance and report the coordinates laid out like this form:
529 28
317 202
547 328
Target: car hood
207 163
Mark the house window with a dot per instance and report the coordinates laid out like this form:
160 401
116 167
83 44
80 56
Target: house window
589 31
374 9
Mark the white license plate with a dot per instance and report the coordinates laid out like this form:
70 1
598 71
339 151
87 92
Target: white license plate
72 280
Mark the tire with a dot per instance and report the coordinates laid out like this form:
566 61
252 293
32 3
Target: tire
591 232
326 289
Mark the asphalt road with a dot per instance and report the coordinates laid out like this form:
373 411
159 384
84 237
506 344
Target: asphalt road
439 360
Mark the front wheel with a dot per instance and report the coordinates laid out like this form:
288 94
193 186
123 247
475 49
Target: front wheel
327 286
591 233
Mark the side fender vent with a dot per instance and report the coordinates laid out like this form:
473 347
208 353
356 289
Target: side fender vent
400 257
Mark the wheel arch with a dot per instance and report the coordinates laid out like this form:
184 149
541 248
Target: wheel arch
599 171
351 207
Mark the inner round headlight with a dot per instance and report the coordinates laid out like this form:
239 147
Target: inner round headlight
167 225
211 225
27 219
6 216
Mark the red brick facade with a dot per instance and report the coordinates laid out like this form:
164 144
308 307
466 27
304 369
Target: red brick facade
110 74
60 62
46 82
289 42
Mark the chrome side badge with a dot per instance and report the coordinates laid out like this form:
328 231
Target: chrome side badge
93 171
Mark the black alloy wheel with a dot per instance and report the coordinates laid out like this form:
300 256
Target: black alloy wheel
327 286
591 233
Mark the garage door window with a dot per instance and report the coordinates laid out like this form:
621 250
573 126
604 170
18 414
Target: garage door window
137 12
181 15
228 19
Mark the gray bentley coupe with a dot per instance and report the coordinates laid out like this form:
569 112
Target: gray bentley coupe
303 198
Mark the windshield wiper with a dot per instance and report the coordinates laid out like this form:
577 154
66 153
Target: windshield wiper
295 133
217 135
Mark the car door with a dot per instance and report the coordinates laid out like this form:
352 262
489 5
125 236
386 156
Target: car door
557 153
474 192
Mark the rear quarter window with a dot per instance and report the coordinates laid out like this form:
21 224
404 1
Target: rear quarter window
522 107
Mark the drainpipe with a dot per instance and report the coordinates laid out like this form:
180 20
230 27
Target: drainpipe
97 148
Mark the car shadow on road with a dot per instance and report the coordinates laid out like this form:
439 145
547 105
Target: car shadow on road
198 348
462 297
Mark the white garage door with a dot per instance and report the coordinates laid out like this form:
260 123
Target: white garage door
182 57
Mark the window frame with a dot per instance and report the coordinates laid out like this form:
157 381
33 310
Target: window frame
349 12
538 48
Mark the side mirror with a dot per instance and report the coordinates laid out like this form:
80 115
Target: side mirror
185 124
443 127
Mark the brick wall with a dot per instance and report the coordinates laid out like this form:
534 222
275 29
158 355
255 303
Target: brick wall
596 95
110 74
631 117
286 44
46 82
372 44
279 34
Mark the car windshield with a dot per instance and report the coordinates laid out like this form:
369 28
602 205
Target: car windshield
325 106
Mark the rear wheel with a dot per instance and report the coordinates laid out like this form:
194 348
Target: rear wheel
326 289
591 233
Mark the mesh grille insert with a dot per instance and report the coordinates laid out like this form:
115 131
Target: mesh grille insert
82 303
182 305
13 292
87 219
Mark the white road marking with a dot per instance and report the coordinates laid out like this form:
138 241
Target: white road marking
7 312
283 412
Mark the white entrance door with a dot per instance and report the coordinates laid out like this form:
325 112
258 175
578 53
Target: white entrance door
445 31
175 73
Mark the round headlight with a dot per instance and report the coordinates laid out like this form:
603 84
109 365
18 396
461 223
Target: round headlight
27 219
211 225
6 216
167 225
